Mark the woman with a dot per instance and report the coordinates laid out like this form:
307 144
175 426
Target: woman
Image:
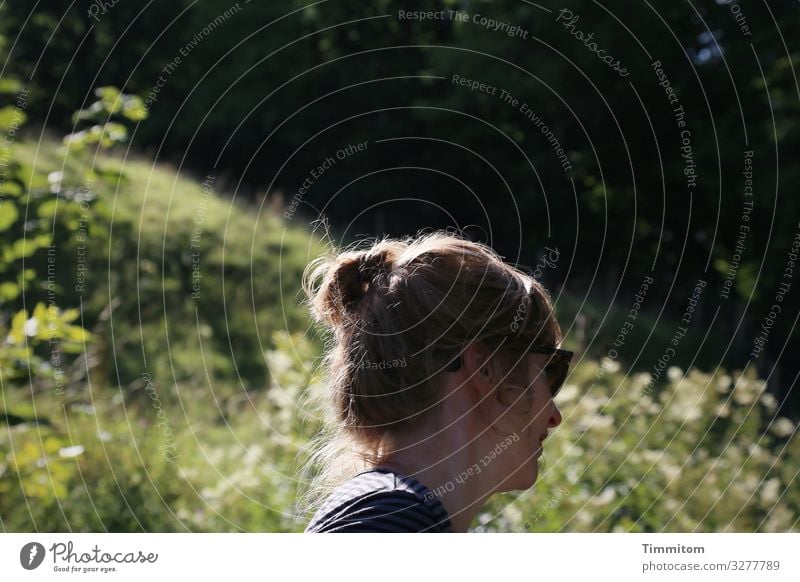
442 368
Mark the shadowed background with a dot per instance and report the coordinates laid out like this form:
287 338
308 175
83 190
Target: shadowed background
163 167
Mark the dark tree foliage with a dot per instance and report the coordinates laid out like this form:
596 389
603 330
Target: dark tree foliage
269 93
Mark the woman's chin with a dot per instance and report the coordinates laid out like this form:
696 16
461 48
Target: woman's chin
528 475
523 477
535 473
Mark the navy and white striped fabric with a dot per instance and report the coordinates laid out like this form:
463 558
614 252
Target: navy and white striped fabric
380 500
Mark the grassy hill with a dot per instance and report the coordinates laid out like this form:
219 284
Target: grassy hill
185 292
185 410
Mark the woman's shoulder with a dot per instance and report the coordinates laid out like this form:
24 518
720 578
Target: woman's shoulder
380 501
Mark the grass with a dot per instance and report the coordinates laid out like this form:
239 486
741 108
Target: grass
174 367
187 413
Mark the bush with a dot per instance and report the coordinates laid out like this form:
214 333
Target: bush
108 466
702 452
118 436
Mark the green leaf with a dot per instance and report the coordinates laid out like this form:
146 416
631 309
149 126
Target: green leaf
25 247
8 214
11 117
69 315
43 239
9 291
10 188
44 323
76 334
10 85
133 108
35 179
47 209
110 97
17 332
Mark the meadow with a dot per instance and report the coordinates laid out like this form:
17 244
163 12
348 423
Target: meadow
179 398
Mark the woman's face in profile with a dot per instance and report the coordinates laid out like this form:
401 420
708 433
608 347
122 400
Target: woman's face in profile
532 426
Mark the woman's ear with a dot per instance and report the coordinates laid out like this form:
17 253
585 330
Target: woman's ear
481 375
476 358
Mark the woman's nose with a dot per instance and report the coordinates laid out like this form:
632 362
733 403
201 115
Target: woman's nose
555 418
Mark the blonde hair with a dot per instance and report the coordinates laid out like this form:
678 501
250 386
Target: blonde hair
419 301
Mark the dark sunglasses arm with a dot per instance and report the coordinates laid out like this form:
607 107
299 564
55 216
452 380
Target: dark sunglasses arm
455 365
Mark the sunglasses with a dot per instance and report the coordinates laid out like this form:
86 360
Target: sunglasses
557 367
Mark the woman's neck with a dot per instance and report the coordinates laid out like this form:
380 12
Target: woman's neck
447 463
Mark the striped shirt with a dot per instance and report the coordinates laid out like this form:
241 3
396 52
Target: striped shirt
380 500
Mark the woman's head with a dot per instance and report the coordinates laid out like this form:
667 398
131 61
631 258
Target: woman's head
405 313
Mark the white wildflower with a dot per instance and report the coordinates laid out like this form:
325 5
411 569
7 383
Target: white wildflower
610 365
69 452
723 410
770 490
782 427
674 373
769 401
31 327
568 393
607 496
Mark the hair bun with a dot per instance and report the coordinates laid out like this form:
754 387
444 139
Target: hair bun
338 285
374 265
